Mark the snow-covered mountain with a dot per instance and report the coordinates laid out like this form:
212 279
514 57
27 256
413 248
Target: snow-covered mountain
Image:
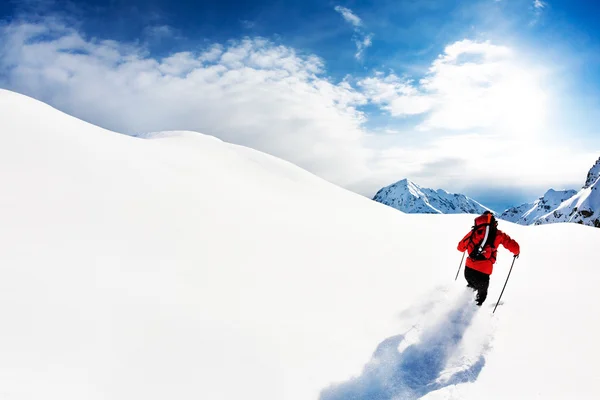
123 276
581 207
529 213
410 198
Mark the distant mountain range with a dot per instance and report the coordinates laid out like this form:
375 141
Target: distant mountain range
554 206
410 198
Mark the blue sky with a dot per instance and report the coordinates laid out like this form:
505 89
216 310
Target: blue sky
495 99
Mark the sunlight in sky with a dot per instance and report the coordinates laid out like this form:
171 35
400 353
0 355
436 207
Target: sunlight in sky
524 102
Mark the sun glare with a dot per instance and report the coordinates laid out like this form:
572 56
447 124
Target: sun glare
522 102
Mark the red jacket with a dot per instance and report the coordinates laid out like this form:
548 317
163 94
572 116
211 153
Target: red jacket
486 266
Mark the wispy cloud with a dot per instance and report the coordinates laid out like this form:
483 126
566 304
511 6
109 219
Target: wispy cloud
247 24
538 9
159 32
349 16
361 39
362 45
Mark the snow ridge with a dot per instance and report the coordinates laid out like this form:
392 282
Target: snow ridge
409 197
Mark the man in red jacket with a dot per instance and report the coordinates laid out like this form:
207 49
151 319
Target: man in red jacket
481 244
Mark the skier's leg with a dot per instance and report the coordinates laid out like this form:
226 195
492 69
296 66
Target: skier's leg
482 288
479 282
468 277
471 278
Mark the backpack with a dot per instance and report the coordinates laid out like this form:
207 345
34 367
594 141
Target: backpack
483 236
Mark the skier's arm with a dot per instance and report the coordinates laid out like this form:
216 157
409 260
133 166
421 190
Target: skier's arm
510 244
464 243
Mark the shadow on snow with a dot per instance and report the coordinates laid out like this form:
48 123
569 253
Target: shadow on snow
414 372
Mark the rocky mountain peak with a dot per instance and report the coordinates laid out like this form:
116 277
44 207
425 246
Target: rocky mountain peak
593 175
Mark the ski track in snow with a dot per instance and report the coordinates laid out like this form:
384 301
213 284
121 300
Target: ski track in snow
446 347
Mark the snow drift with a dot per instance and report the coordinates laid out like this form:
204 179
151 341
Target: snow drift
178 266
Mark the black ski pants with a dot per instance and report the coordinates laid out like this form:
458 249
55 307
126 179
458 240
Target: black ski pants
479 282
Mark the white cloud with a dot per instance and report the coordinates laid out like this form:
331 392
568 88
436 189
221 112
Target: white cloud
472 85
361 39
397 96
250 92
362 45
349 16
538 8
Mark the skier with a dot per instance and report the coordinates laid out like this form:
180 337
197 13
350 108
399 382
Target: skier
482 244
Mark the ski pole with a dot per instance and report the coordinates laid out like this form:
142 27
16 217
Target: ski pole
460 266
511 267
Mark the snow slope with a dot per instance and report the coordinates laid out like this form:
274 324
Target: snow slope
530 213
178 266
409 197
